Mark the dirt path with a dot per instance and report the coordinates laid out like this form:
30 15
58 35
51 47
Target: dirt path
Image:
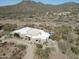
30 49
30 52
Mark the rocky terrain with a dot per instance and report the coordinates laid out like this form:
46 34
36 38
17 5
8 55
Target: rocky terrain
62 20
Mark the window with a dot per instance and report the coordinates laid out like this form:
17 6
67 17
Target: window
29 38
36 40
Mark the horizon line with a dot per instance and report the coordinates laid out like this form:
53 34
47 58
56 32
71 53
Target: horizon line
38 2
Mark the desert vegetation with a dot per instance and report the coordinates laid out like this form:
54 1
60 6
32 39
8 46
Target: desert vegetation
41 53
61 21
12 51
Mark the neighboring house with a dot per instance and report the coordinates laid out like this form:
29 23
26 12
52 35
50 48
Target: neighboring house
32 34
64 13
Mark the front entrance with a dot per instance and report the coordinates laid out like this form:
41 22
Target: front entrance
16 35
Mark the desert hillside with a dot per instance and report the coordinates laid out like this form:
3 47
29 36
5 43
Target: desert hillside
34 30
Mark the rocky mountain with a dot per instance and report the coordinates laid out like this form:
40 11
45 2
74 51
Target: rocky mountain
27 7
22 7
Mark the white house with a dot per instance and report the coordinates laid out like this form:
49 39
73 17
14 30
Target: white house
32 34
64 13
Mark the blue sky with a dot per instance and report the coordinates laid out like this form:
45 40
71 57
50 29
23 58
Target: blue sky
11 2
57 1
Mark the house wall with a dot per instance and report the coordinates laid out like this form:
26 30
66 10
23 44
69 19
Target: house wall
36 40
33 40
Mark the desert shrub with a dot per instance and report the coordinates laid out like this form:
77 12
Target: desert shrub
39 46
75 50
77 30
71 41
0 41
55 36
77 44
38 52
63 47
42 53
77 41
63 31
45 53
31 16
9 27
21 46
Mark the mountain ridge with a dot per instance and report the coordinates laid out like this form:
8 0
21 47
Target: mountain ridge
35 7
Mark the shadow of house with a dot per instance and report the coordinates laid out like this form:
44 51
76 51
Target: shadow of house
1 27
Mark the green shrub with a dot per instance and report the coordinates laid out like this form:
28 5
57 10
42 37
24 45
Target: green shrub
42 53
9 27
45 53
77 30
62 32
75 50
63 47
77 41
39 46
0 41
21 46
55 36
64 29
